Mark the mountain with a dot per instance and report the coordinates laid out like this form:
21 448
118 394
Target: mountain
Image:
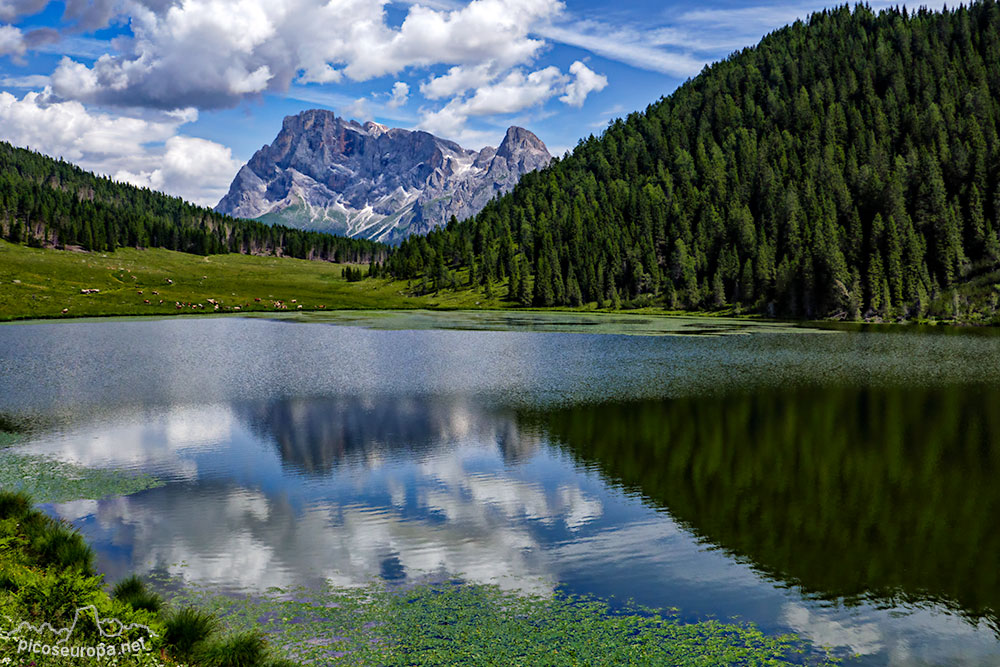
47 202
847 166
369 181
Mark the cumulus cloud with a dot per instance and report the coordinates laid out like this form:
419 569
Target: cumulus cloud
458 80
14 42
515 92
399 96
215 53
68 130
483 30
143 151
587 81
11 41
201 168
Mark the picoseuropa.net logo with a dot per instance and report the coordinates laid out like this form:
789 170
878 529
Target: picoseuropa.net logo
47 640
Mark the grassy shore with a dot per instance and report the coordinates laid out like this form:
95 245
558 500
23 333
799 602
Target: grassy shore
43 283
54 609
47 283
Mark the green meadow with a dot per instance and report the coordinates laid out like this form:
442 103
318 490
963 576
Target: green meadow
42 283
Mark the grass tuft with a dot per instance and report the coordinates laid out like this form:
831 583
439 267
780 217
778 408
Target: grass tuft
58 545
245 649
14 504
186 628
52 543
128 587
133 592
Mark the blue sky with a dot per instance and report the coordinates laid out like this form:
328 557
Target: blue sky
178 94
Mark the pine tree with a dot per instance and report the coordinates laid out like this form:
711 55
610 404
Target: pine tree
524 288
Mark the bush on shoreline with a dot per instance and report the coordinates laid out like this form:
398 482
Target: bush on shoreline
54 606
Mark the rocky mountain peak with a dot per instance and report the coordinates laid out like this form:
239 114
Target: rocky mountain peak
367 180
520 139
523 151
375 129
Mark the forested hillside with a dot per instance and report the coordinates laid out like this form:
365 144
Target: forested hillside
52 203
846 165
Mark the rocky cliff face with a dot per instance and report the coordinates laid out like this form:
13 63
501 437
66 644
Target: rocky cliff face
370 181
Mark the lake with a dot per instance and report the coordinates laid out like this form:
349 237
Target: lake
835 482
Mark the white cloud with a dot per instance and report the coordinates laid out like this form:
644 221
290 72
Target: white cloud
11 41
68 130
215 53
202 168
30 81
458 80
629 45
74 76
483 30
756 20
400 95
681 44
144 151
515 92
587 81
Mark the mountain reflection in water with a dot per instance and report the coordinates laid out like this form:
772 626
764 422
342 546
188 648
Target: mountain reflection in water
313 436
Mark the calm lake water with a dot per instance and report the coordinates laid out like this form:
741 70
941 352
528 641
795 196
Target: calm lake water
839 484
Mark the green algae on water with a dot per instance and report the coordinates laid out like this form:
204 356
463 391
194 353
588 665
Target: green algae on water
464 624
48 480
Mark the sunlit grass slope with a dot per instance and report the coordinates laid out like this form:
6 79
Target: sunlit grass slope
41 283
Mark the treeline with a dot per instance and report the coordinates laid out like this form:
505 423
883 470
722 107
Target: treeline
847 164
47 202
